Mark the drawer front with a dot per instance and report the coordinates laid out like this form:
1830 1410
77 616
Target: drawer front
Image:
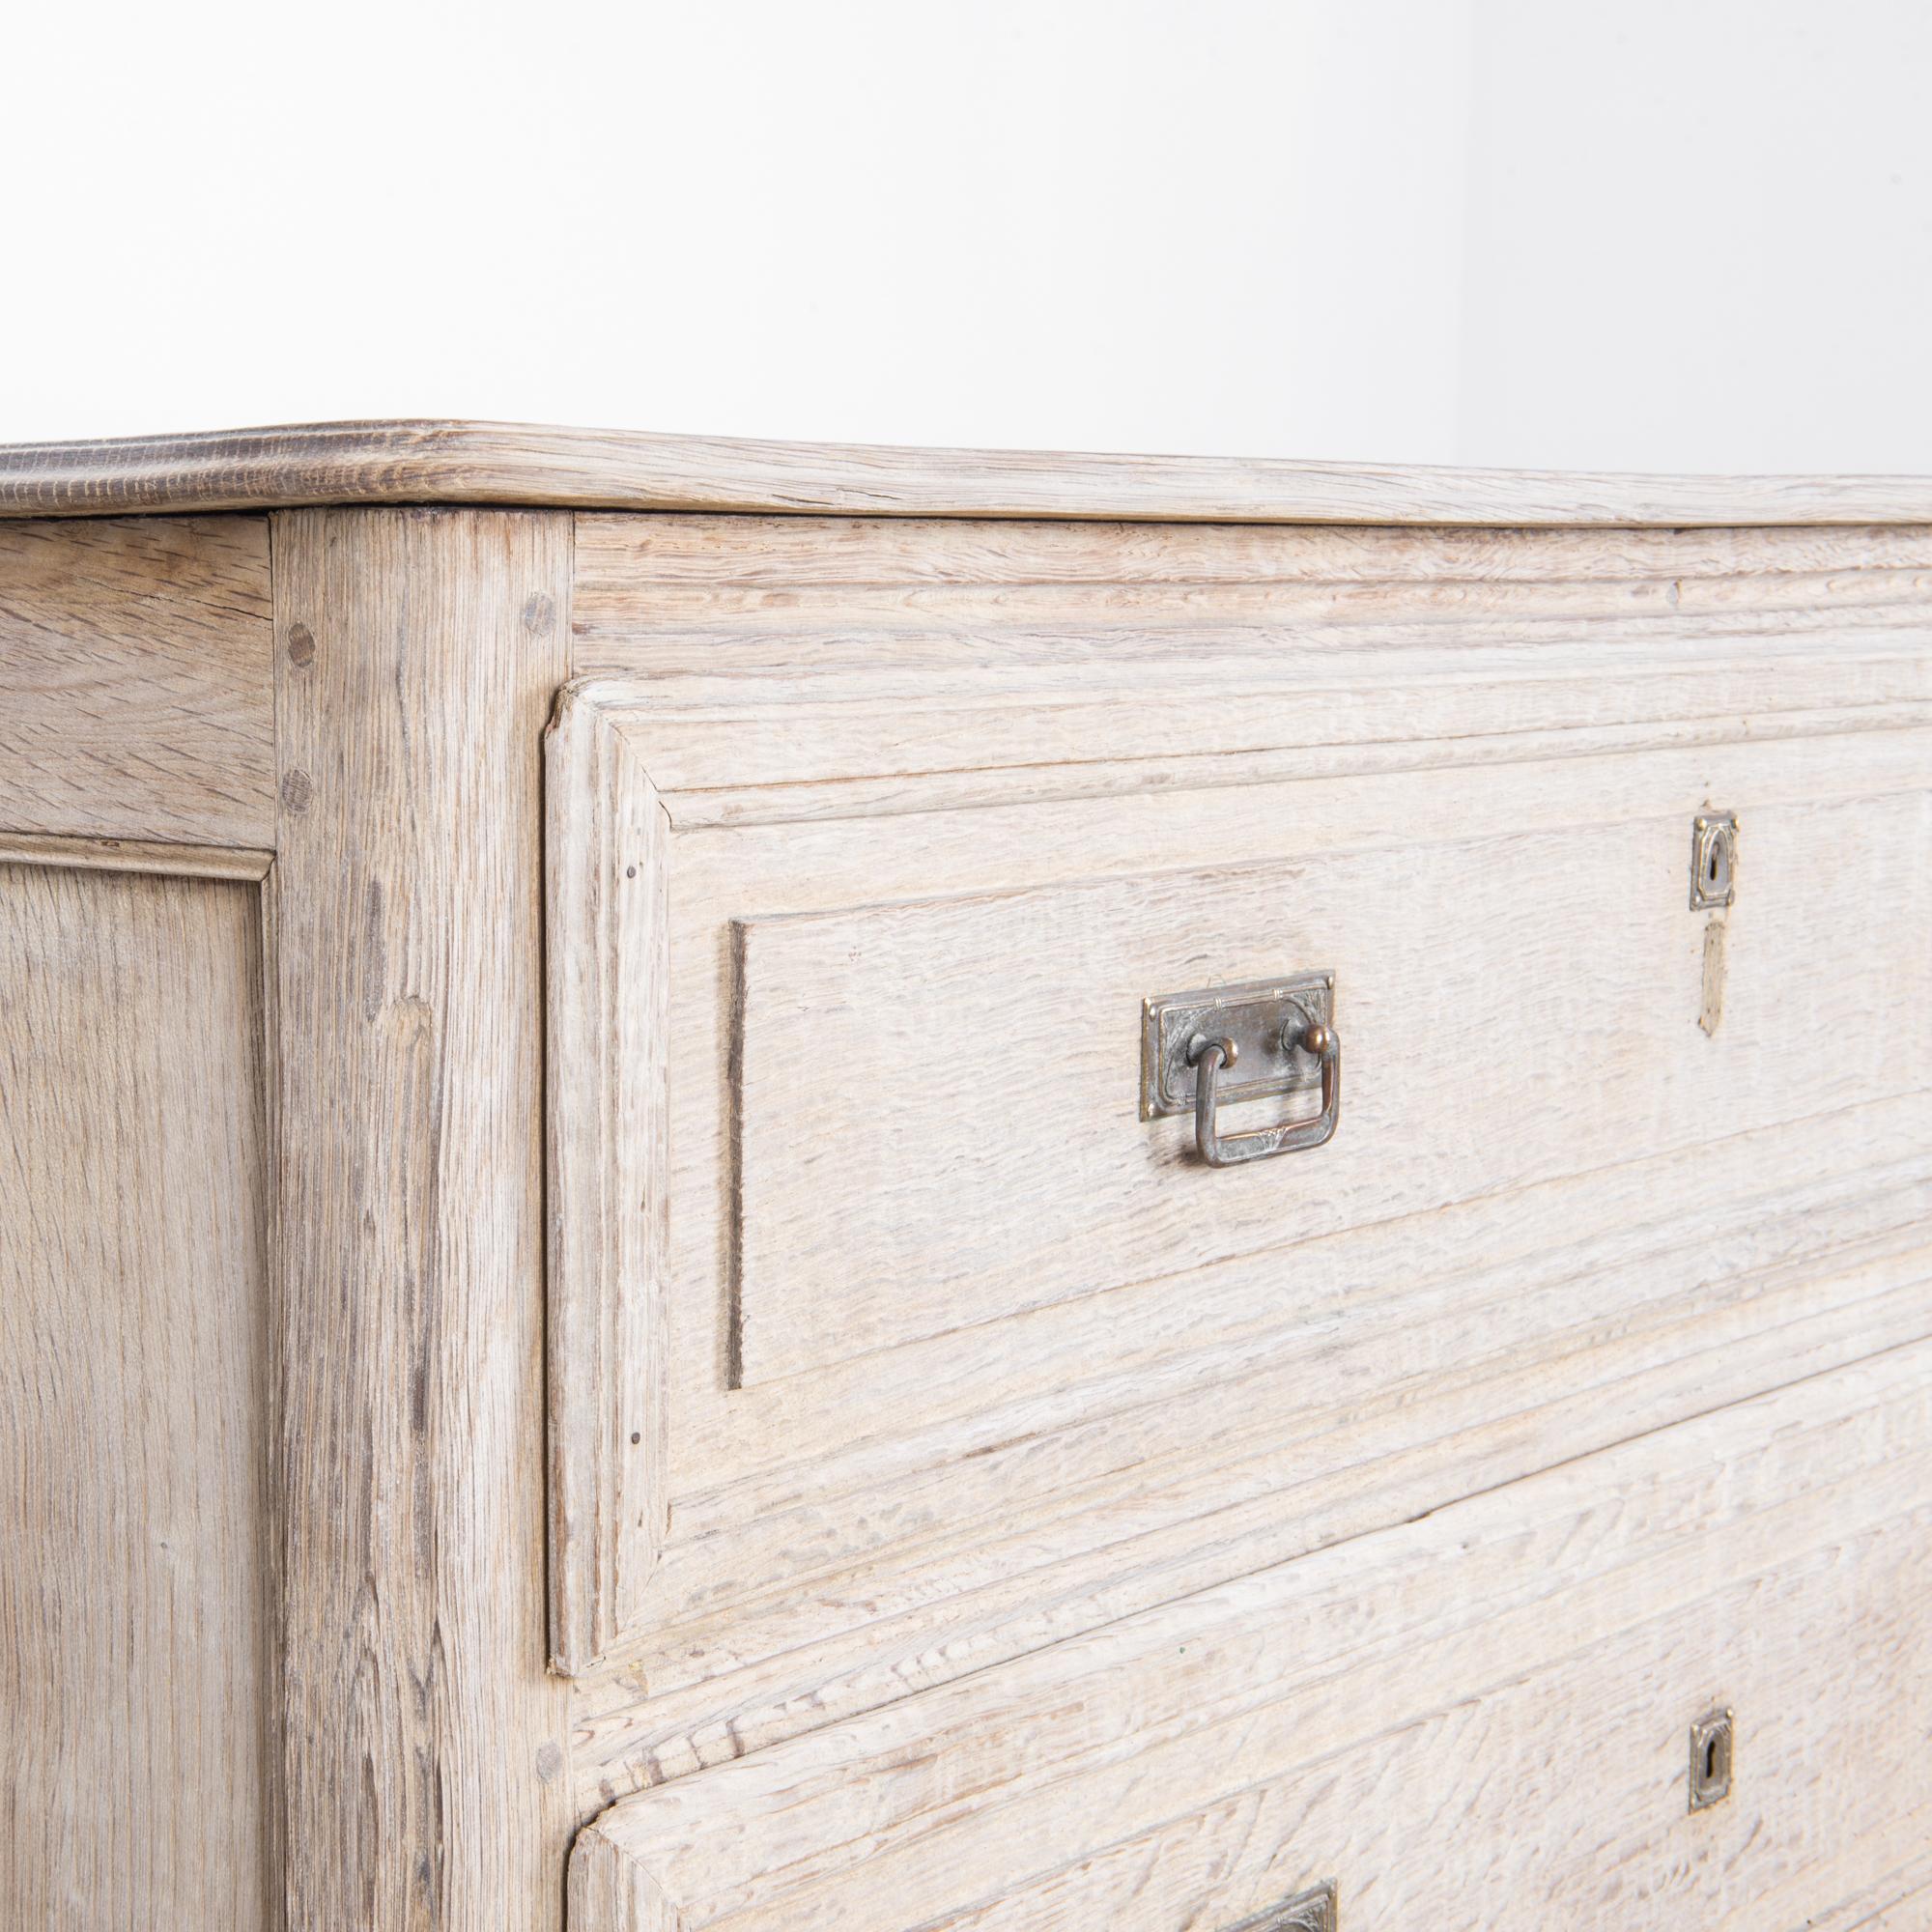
937 1104
884 1325
1497 1718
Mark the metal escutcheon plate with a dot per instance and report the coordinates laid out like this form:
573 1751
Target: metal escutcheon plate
1256 1016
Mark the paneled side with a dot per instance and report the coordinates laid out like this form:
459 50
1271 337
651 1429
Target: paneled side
136 1636
1478 1719
135 696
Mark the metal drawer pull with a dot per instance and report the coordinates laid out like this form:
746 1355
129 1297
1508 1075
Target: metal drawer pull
1306 1912
1200 1051
1218 1150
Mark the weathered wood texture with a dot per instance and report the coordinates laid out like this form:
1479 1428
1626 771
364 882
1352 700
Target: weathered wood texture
918 608
825 1435
952 1377
406 462
135 696
1888 1907
1479 1718
1493 1045
417 654
136 1610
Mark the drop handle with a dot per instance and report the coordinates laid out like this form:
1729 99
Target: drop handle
1210 1055
1261 1041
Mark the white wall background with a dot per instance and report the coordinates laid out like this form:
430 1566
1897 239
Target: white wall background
1659 233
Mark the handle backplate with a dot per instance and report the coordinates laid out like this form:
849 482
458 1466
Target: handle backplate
1253 1016
1272 1036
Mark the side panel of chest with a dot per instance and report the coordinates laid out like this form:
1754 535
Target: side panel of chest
137 1642
135 701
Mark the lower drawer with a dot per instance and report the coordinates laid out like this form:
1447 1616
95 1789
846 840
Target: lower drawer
1482 1718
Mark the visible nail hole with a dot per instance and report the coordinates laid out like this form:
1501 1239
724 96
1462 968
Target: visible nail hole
636 1436
630 871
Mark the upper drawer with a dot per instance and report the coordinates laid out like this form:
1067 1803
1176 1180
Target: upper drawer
876 1303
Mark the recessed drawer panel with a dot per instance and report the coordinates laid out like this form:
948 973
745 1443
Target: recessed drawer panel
885 1325
937 1099
1683 1681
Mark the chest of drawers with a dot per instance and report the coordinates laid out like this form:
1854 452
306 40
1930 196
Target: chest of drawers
763 1186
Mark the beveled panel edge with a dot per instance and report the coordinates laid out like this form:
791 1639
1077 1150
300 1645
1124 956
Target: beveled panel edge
242 864
442 461
606 916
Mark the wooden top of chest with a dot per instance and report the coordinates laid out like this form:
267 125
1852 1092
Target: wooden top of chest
438 462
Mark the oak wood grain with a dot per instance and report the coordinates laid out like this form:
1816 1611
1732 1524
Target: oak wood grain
799 562
135 696
141 1775
935 607
1901 1912
454 462
1479 1718
909 1196
927 1465
426 1748
876 730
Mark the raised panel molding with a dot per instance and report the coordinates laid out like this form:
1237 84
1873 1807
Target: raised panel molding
608 945
756 1527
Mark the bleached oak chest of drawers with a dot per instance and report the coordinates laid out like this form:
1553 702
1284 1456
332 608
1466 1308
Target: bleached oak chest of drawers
616 1306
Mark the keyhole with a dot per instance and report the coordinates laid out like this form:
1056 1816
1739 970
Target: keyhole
1710 1760
1713 859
